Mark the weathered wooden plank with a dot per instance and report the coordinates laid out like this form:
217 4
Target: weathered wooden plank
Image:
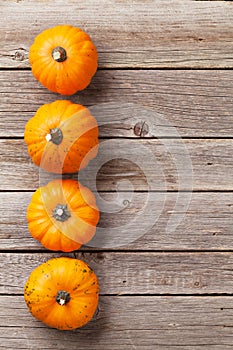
128 323
165 164
206 225
134 273
195 103
157 33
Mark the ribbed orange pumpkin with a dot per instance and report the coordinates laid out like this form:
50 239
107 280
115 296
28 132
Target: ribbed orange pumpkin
63 59
63 293
63 215
62 137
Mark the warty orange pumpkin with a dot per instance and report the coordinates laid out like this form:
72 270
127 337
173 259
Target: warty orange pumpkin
62 137
63 59
62 215
62 293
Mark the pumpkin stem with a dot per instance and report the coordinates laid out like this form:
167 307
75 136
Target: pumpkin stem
62 297
61 213
59 54
55 136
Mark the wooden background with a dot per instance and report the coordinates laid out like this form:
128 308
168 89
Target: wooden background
163 291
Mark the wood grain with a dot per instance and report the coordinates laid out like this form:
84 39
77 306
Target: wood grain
207 224
157 165
127 34
134 273
159 289
128 323
195 103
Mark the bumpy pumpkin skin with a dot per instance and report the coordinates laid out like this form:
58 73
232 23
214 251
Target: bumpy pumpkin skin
63 59
62 137
65 311
62 215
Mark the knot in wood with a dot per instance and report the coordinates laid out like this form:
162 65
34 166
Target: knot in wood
19 55
141 129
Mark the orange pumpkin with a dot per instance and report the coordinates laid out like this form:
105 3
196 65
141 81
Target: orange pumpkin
63 293
63 215
62 137
63 59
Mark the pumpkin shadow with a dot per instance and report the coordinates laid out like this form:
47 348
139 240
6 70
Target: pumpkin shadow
102 89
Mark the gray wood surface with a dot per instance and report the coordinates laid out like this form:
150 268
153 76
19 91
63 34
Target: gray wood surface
207 224
142 322
158 33
134 273
197 103
161 289
154 164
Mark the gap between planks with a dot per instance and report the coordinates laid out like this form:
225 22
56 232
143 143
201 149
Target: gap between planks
128 68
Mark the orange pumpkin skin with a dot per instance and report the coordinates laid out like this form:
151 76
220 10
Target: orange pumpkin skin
63 59
62 215
62 137
62 293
